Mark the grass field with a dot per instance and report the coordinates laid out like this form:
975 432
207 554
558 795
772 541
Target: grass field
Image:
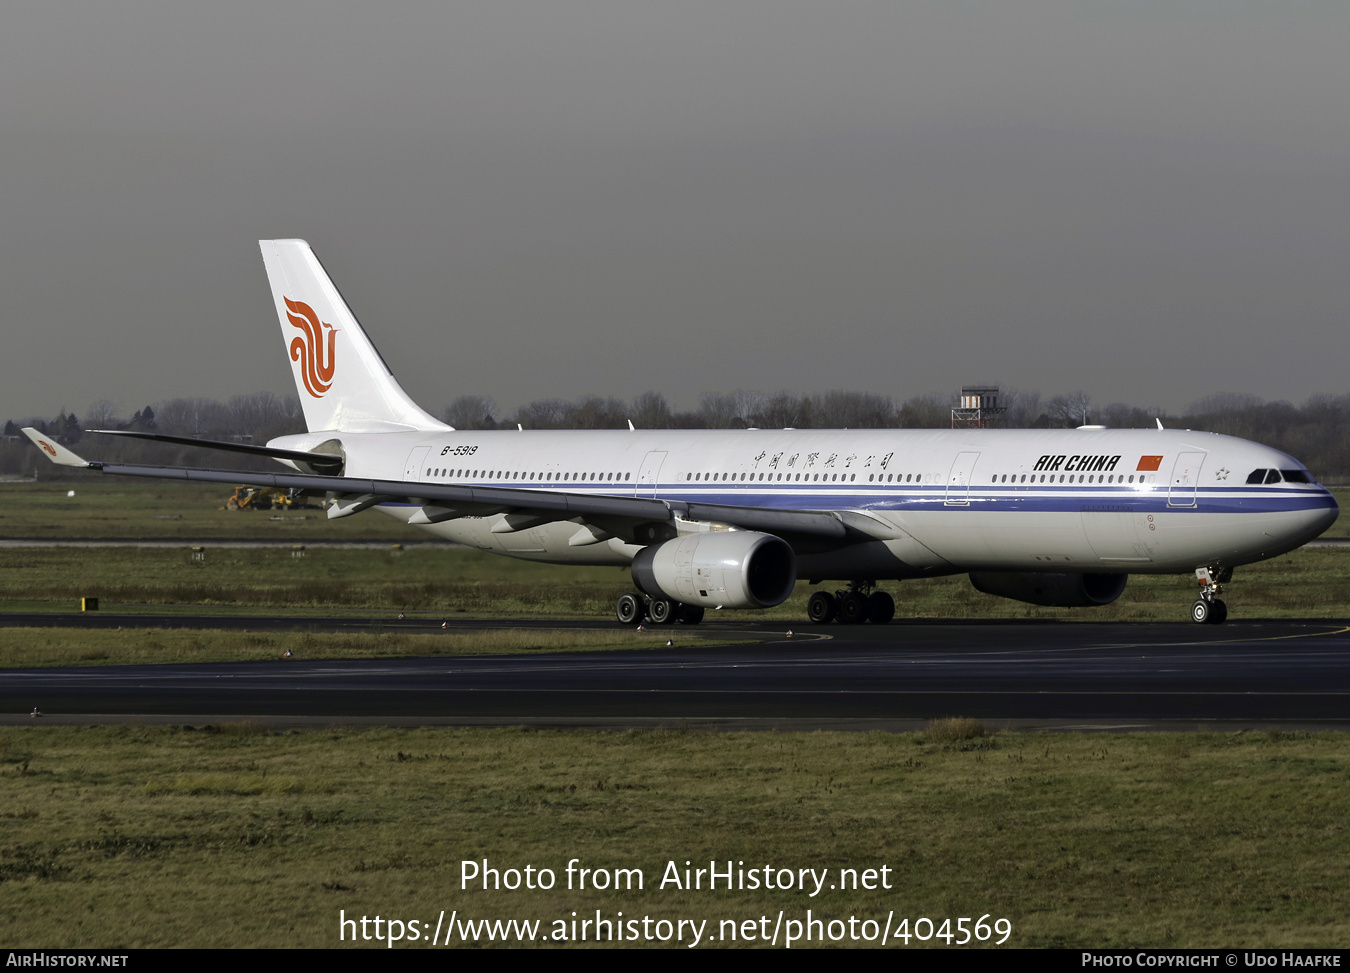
111 507
23 647
1310 583
133 836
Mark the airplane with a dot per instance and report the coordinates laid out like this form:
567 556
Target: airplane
734 518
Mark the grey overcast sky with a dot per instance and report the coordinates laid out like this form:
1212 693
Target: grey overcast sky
1147 201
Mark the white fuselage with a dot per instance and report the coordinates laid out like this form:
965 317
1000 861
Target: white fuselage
923 502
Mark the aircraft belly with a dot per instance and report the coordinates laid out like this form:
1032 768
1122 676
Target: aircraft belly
873 560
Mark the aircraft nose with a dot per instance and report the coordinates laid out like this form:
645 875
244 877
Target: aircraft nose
1321 518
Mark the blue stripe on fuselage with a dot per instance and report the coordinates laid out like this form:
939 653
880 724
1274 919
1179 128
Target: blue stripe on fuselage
924 497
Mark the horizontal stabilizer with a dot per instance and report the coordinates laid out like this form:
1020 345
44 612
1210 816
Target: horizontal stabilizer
322 462
57 453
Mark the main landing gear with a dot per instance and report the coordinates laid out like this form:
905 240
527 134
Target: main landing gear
857 603
633 608
1209 608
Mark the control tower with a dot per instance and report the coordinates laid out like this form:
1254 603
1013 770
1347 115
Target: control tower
979 408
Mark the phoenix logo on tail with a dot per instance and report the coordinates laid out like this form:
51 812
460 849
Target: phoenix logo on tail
316 368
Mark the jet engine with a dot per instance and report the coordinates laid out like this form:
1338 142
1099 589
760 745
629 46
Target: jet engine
731 569
1055 590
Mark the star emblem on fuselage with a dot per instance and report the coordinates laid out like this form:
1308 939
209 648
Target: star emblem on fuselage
1222 473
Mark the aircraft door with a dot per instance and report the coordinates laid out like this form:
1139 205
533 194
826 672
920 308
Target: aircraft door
958 480
649 474
1185 478
413 470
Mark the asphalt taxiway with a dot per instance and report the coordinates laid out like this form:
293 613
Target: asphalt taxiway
1090 675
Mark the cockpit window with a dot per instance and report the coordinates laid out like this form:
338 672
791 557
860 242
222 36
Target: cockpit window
1272 476
1257 476
1296 476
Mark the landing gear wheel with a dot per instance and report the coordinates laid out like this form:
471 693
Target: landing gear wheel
880 608
852 608
661 612
689 615
1210 609
822 607
629 609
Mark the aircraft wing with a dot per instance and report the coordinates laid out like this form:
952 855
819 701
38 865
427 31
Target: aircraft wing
524 507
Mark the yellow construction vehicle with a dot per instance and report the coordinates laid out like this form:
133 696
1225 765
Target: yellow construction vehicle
267 498
256 498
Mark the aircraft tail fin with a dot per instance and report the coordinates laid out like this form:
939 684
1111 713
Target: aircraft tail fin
342 380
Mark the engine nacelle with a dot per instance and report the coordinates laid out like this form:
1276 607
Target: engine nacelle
731 569
1054 590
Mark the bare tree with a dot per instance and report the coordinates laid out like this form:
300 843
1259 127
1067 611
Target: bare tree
471 412
1070 410
543 414
651 411
931 411
193 417
1023 407
290 419
593 412
852 410
101 415
783 411
717 409
246 414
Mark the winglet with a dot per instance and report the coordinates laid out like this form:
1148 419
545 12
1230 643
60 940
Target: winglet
1160 425
57 453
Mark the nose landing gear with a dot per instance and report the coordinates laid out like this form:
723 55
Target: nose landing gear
1209 609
